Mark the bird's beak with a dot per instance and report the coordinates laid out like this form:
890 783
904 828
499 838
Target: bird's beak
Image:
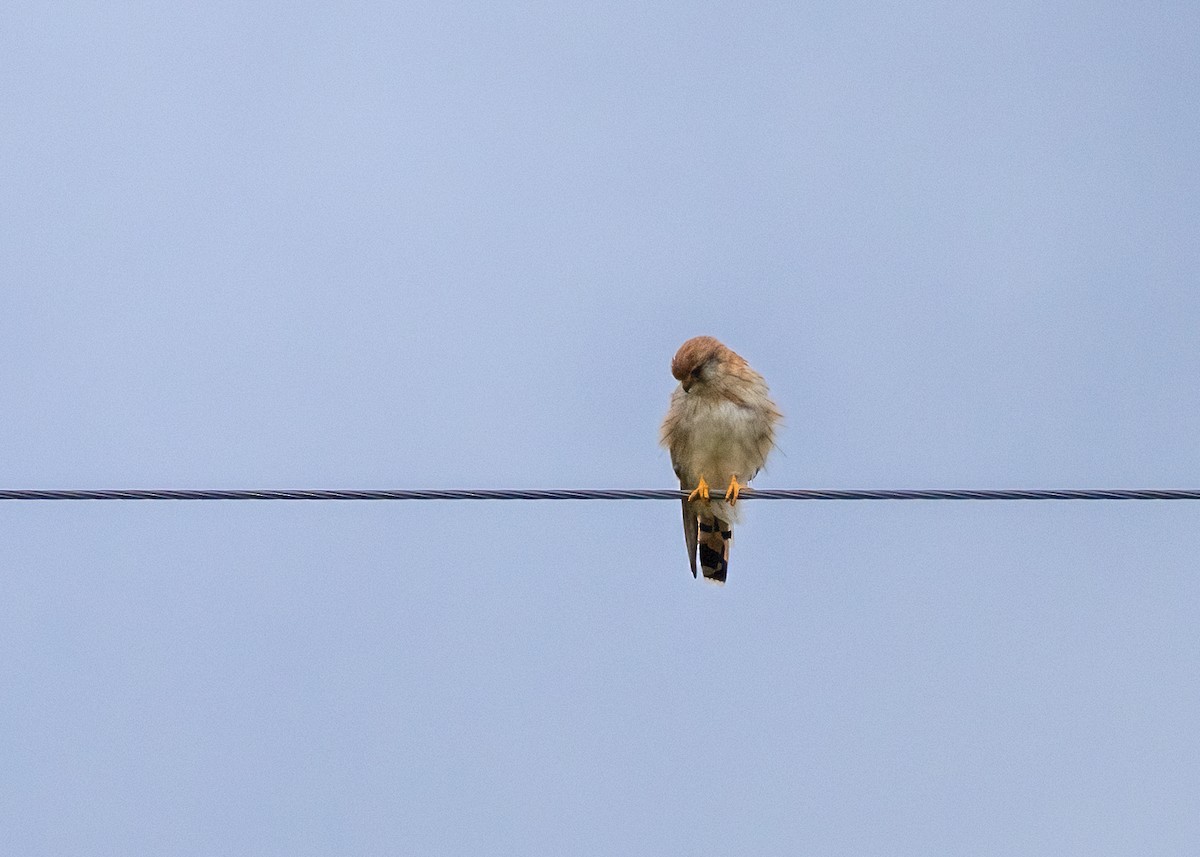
686 383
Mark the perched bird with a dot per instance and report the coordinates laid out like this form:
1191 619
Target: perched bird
719 428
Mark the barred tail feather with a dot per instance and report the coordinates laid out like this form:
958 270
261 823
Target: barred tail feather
715 537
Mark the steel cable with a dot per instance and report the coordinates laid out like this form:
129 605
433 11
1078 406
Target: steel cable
591 494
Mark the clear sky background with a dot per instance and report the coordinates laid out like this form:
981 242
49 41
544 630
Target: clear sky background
407 245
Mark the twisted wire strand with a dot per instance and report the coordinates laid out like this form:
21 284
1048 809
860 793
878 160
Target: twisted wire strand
592 494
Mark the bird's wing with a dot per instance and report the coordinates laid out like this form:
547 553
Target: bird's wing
691 534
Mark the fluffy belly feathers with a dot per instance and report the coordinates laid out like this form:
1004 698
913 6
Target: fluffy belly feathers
722 440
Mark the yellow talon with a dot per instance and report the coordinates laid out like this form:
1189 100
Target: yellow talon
731 495
701 491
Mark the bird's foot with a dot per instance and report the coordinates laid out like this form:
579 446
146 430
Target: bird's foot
734 491
700 492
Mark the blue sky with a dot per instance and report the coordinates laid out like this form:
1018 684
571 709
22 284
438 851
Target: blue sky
456 245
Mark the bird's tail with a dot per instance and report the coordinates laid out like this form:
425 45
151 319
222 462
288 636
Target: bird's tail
715 537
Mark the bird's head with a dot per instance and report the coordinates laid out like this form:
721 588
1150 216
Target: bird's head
696 360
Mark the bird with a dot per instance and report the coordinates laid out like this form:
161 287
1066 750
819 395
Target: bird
719 429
